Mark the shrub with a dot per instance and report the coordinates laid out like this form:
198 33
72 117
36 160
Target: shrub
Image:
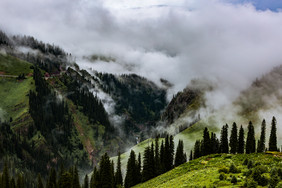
234 180
232 168
250 164
222 176
273 181
279 185
252 184
223 169
245 162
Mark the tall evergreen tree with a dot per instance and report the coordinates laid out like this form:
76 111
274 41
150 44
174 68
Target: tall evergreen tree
5 177
180 156
224 148
241 141
157 157
86 182
118 175
130 178
95 179
162 160
106 175
148 169
138 172
251 141
75 178
197 149
171 152
233 139
39 181
206 147
191 156
214 143
52 181
261 143
65 180
273 137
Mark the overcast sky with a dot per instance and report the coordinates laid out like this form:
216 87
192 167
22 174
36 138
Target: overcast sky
230 42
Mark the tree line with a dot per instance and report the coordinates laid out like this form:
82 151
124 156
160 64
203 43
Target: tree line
237 142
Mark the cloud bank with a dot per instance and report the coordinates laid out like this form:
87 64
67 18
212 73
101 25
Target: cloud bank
230 44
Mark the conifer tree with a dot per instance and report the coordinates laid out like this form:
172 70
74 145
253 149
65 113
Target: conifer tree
197 149
224 148
75 178
180 156
241 141
148 170
191 156
52 181
12 183
261 142
206 147
5 176
171 152
106 174
138 173
65 180
273 137
162 160
118 175
157 157
130 178
39 181
95 179
214 143
251 142
86 182
233 139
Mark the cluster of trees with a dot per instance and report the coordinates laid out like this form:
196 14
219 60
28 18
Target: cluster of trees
92 107
4 39
141 100
237 143
156 160
62 179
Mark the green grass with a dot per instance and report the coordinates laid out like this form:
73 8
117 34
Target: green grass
13 66
204 171
14 97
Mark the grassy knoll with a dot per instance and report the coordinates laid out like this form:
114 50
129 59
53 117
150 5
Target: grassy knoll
13 66
205 171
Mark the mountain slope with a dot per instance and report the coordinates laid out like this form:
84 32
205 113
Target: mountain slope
205 171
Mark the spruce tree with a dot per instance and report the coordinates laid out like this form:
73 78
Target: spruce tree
86 182
52 181
197 149
233 139
191 156
138 172
5 176
130 178
251 142
118 175
224 148
171 152
162 160
75 178
65 180
180 156
273 137
157 157
148 169
95 179
261 142
106 174
206 147
39 181
241 141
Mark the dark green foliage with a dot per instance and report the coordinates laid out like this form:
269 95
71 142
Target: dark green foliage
251 142
206 147
130 178
75 178
157 157
224 148
148 165
233 139
234 180
261 142
162 158
5 177
197 149
257 175
95 179
180 156
233 169
222 176
252 184
241 141
106 176
191 156
250 164
223 170
246 161
65 180
39 182
138 172
273 137
118 174
52 180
